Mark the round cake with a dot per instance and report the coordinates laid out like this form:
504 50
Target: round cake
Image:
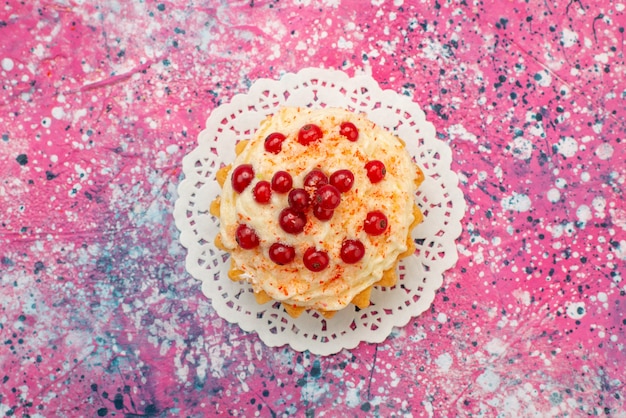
317 208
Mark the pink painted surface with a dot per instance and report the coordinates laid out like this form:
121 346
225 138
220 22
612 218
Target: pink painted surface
100 102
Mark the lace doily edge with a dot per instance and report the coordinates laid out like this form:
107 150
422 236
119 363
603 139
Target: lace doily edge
368 336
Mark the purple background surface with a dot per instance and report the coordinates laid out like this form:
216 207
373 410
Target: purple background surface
102 99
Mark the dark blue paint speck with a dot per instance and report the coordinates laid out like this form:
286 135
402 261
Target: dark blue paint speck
316 370
118 401
39 266
22 159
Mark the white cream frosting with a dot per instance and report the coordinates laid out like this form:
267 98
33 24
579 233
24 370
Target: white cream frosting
334 287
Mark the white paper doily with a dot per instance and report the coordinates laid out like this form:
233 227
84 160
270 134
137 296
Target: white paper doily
420 276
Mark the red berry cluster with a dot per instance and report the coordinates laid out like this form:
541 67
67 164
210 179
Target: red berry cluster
321 194
316 193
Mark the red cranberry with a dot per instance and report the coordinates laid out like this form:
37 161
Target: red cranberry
274 142
375 170
315 260
322 214
282 254
246 237
282 182
375 223
342 180
262 191
309 133
352 251
315 178
298 199
350 131
328 197
292 221
242 177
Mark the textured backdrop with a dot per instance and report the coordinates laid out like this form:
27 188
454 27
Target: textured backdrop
100 101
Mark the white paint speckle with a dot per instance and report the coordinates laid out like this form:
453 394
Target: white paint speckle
512 406
583 213
495 347
444 362
575 310
567 146
620 250
560 229
618 217
603 58
442 318
58 112
554 195
597 127
604 151
585 176
516 202
7 64
342 43
352 396
428 407
79 114
521 148
459 131
543 78
599 204
569 38
497 171
489 381
201 369
523 296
